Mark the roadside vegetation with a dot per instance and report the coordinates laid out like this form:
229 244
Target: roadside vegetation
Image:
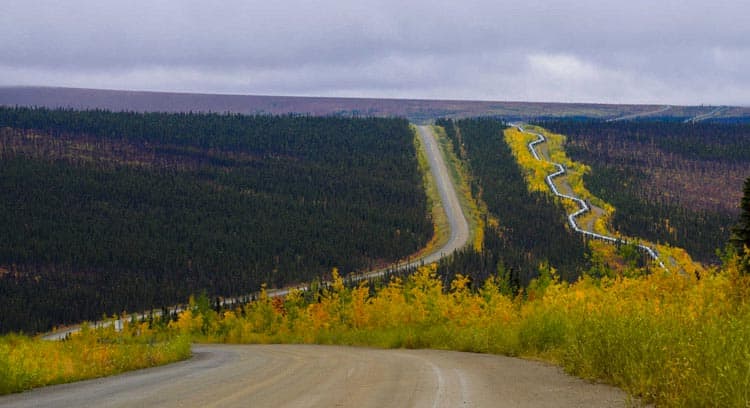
475 210
666 338
27 362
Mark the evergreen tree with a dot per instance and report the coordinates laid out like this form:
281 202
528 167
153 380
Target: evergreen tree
741 232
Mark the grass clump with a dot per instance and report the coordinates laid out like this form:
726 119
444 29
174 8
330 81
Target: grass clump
27 362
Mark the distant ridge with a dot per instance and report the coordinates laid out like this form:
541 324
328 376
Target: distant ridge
416 110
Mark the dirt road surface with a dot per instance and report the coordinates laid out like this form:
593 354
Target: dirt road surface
456 218
330 376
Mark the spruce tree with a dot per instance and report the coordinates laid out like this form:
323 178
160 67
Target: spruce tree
741 232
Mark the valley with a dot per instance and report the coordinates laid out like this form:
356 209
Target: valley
529 285
374 204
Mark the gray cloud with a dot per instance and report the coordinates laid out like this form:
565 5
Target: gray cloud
638 51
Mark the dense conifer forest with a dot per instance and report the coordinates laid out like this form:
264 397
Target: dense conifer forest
107 212
677 183
532 228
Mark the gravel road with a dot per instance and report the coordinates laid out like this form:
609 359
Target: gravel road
456 218
331 376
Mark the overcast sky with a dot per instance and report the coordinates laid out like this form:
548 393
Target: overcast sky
632 51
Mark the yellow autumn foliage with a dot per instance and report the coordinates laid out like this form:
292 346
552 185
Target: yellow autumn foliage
535 171
31 362
670 338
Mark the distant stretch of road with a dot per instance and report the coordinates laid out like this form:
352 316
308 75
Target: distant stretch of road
459 236
456 218
583 206
705 116
330 376
641 114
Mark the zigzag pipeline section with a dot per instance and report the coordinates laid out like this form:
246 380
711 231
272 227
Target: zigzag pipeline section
583 206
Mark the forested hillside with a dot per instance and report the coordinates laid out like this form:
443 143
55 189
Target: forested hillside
105 212
670 182
532 227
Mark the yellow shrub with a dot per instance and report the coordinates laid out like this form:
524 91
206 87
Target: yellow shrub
27 363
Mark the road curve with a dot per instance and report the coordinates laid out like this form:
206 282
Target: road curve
331 376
